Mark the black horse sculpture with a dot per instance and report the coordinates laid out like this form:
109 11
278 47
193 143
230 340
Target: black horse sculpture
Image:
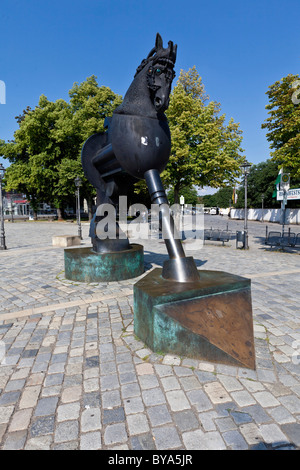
137 146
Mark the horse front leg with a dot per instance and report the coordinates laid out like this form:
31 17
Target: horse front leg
179 267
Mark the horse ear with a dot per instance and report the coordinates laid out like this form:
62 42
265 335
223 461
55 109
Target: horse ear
174 50
158 42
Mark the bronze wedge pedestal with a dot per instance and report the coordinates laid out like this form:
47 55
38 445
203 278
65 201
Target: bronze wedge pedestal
209 320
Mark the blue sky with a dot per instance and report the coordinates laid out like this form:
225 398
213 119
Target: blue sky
239 49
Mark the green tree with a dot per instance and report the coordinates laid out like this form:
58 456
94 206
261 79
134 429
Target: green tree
90 104
190 195
44 139
18 177
209 200
260 181
2 143
205 151
45 154
223 197
283 123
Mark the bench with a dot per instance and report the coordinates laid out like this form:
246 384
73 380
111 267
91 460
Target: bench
66 240
282 239
217 235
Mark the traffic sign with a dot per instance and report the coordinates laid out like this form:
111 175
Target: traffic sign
285 182
291 194
285 178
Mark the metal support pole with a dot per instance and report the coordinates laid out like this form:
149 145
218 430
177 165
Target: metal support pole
78 215
246 214
158 196
246 168
2 234
179 267
283 209
78 184
245 218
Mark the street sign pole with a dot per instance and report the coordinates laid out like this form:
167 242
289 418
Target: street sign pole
284 186
283 204
181 200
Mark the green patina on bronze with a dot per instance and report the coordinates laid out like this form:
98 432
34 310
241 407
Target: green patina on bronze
209 320
84 265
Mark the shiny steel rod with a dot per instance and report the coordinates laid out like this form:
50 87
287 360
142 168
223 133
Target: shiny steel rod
158 196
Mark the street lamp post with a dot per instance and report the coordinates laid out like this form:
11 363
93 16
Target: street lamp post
78 184
246 169
262 207
2 233
12 209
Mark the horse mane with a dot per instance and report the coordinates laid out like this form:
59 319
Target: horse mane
136 100
159 54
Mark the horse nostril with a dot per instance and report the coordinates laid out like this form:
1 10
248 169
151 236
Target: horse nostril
158 103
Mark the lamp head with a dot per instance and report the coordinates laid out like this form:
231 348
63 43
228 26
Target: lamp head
77 182
2 171
246 167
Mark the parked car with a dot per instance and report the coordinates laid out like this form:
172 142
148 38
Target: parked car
214 211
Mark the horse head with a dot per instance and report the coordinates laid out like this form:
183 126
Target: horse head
149 92
160 73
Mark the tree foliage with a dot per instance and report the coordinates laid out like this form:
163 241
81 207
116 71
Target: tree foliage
190 195
283 123
205 150
222 198
43 143
90 104
261 182
45 152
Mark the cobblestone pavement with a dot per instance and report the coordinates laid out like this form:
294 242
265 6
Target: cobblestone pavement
74 376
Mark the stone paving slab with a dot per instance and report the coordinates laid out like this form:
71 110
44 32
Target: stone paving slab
74 376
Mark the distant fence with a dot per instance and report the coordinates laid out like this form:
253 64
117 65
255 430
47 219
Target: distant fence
14 218
292 216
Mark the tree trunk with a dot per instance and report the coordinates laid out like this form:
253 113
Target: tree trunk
176 193
90 207
60 213
34 207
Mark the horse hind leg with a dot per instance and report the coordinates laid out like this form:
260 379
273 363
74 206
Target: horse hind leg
99 164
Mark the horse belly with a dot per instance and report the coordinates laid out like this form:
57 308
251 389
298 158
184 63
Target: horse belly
140 143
